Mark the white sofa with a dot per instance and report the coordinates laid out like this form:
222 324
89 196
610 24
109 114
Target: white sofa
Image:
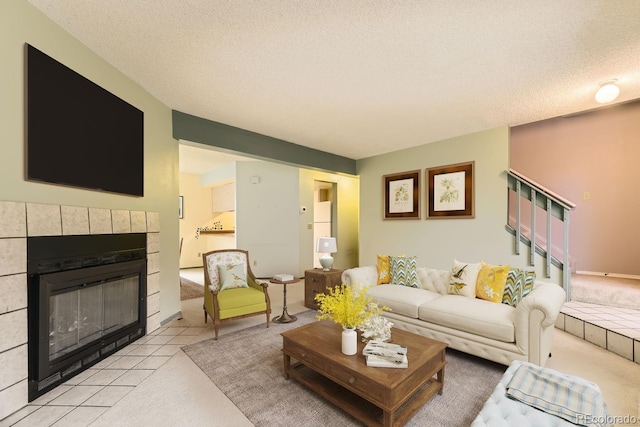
493 331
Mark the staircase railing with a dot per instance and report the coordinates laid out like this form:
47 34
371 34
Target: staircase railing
554 206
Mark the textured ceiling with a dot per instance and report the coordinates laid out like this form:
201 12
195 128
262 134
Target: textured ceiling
362 78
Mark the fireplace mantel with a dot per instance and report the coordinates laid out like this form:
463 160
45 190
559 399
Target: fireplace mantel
19 220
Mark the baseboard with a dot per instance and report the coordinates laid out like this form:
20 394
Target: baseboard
617 275
175 316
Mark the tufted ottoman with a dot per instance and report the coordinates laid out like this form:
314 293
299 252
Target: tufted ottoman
501 411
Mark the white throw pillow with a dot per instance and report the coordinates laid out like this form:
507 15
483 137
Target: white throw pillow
232 276
463 278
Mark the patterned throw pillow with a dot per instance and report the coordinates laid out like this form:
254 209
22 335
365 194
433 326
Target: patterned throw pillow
491 282
403 271
384 273
518 285
463 278
529 278
232 276
222 258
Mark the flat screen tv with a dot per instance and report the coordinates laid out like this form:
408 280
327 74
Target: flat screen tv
79 134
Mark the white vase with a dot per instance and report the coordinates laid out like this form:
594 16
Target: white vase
349 341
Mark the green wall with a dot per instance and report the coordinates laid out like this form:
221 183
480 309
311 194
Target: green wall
21 23
225 137
438 242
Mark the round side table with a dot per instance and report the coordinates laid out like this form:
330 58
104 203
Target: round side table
284 317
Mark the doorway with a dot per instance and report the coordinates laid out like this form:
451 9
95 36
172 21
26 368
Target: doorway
324 214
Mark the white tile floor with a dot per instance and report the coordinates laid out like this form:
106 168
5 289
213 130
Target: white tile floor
88 395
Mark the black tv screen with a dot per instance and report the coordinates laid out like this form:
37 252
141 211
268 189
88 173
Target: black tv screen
79 134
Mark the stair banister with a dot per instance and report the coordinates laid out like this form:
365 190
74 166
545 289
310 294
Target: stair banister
554 205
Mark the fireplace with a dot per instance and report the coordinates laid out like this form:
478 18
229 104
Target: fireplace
86 300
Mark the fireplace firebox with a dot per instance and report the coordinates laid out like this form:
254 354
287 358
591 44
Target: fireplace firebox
86 300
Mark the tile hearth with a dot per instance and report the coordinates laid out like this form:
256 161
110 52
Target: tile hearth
20 220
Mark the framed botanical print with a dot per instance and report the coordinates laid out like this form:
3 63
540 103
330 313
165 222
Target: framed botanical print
402 195
450 191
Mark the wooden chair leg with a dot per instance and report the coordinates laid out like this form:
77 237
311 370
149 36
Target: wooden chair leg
267 319
205 314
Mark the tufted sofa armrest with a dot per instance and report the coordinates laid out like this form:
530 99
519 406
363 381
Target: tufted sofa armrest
546 297
535 318
361 277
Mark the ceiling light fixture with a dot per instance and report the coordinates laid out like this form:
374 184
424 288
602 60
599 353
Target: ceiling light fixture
608 91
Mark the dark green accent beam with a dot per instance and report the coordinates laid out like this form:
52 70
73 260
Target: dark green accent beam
208 132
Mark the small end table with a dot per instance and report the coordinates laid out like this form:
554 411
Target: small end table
284 317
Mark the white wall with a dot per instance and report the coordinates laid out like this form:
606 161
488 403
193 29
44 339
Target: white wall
437 243
21 23
267 216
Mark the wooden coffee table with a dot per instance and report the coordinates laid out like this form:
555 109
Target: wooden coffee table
374 396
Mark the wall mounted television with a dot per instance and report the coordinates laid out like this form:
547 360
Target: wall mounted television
79 134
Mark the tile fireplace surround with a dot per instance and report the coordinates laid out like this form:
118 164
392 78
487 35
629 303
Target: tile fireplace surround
21 220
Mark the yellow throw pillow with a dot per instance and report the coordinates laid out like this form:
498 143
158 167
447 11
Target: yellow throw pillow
384 273
491 282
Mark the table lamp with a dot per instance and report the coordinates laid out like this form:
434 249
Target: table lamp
327 245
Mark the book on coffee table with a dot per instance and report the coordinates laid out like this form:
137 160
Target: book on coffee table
383 354
383 362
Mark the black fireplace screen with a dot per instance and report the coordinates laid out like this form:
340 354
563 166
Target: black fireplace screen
79 317
87 300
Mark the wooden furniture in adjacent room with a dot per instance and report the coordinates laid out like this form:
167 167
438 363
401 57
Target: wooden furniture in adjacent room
375 396
316 281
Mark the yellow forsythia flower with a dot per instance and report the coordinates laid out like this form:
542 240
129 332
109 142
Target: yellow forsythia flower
346 307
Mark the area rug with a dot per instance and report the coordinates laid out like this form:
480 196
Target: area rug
247 366
189 289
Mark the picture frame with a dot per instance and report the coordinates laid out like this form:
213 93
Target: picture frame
180 207
450 191
401 195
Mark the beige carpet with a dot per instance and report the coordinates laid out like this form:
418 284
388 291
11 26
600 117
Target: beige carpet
190 290
606 290
247 366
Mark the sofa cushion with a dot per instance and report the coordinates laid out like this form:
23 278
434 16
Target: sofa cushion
384 274
476 316
403 271
491 282
402 300
463 278
434 280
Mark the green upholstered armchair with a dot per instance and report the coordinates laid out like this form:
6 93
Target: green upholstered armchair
231 291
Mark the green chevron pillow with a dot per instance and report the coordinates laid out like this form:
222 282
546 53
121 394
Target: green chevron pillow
403 271
519 284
